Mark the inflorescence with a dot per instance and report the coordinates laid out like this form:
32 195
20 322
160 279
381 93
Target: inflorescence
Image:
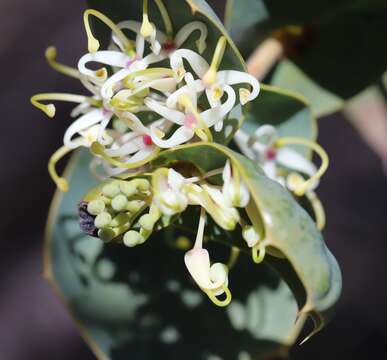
152 93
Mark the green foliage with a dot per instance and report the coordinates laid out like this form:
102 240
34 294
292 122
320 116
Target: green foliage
341 48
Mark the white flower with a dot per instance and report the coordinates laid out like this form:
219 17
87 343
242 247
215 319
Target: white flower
210 279
234 190
213 280
262 147
130 150
190 121
169 45
168 191
211 80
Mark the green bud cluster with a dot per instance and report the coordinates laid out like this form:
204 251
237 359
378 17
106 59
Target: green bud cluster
118 206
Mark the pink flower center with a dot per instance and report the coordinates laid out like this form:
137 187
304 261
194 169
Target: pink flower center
169 46
271 154
147 140
131 61
190 121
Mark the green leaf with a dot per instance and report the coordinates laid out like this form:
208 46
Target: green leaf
139 303
345 54
288 76
341 39
287 226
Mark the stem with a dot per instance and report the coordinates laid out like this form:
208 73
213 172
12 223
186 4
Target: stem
200 233
264 58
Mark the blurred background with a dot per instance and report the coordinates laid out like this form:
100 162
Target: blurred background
34 324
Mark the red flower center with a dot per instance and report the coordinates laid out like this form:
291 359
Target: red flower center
147 140
271 154
169 46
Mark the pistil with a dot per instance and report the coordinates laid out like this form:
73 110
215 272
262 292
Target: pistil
302 187
49 109
93 43
210 76
51 54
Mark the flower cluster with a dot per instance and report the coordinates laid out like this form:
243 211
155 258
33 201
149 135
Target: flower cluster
130 210
148 93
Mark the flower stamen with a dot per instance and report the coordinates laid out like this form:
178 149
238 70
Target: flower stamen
49 109
98 149
166 18
60 182
93 43
146 27
51 54
319 214
210 76
302 187
202 131
258 252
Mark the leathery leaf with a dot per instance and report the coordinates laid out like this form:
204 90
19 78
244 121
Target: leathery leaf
290 233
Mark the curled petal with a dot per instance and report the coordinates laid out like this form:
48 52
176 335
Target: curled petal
293 160
108 88
133 122
198 63
107 57
197 261
232 77
129 147
173 115
180 136
173 99
86 121
217 114
187 30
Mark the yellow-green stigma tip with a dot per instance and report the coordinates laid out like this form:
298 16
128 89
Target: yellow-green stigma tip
97 148
102 220
95 207
50 53
93 44
111 190
119 202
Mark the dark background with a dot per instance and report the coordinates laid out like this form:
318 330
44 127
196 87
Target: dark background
33 324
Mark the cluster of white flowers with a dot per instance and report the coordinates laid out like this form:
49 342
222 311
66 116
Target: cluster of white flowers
146 93
149 93
132 209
